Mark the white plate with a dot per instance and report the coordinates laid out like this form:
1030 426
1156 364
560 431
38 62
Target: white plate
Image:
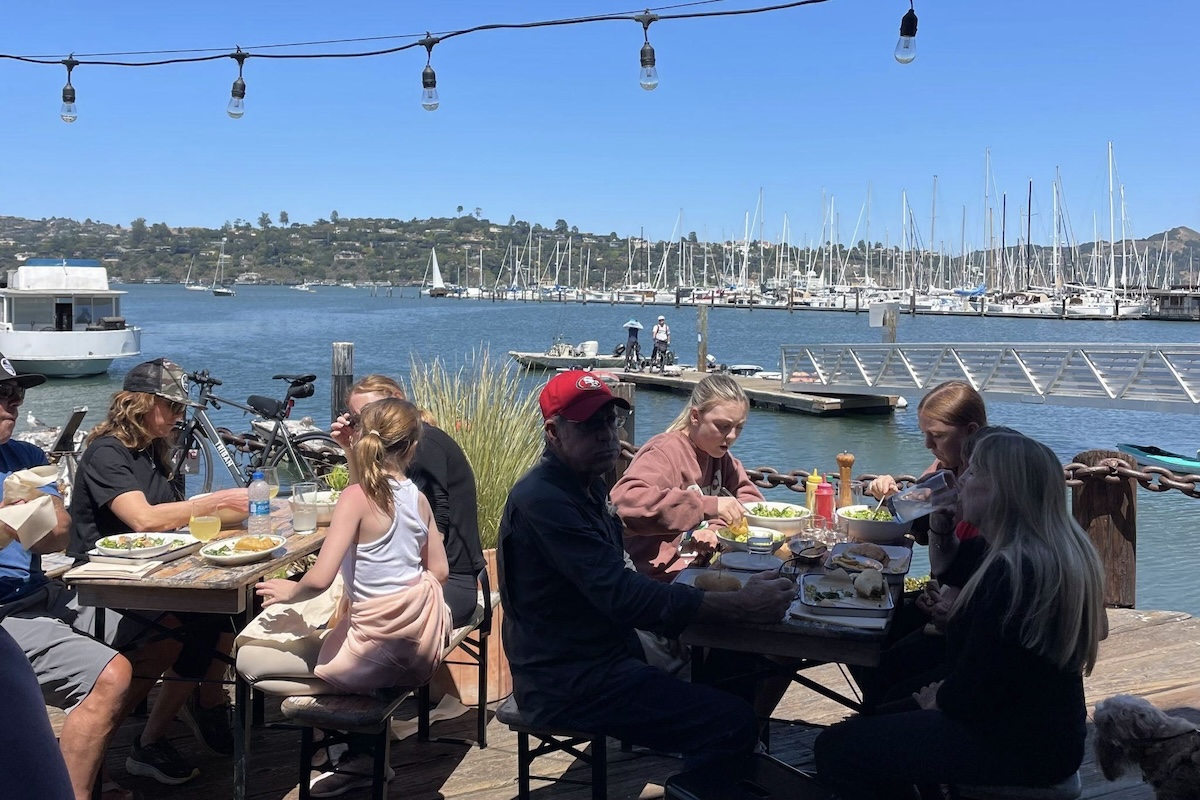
234 559
171 541
900 558
851 606
751 562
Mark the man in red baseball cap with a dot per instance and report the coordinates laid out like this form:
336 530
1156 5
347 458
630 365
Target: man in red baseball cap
571 607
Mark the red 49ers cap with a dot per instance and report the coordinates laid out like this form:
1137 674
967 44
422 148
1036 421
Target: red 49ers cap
577 395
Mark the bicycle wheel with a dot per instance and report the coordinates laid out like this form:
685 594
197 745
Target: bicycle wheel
199 469
318 454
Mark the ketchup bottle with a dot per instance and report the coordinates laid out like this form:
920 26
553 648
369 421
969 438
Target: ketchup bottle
824 507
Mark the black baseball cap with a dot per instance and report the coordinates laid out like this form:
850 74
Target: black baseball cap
9 373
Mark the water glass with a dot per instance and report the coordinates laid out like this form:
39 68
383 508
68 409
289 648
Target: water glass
938 491
760 544
304 507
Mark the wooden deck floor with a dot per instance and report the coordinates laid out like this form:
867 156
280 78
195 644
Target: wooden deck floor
1148 653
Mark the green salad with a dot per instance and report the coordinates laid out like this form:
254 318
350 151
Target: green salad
223 550
131 542
875 515
787 512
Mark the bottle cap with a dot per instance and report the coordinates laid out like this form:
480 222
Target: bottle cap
257 476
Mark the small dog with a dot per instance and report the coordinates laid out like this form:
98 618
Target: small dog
1131 732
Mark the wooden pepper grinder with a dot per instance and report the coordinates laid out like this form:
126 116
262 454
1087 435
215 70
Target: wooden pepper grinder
845 463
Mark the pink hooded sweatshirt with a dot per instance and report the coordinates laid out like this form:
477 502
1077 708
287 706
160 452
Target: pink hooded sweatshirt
669 488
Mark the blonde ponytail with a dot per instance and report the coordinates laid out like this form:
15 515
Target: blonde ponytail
389 430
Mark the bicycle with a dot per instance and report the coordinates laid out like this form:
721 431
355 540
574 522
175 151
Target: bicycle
296 457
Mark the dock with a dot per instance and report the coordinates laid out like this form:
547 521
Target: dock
768 395
1148 653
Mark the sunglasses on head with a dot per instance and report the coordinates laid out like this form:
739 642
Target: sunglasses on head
10 392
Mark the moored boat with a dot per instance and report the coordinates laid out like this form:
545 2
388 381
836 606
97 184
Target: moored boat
1149 455
59 317
562 355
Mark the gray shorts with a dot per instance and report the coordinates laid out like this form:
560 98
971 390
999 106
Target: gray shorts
67 663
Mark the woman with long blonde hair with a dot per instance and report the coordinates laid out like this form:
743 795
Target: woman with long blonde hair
685 476
1024 632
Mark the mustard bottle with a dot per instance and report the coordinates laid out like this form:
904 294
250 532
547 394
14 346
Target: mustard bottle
810 490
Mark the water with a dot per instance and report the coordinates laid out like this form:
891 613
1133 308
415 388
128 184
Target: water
292 332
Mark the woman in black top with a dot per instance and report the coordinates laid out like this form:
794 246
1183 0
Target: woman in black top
124 485
441 471
1025 630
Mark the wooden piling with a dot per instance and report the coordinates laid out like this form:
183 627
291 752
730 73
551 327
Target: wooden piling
628 392
1108 512
891 315
342 378
702 338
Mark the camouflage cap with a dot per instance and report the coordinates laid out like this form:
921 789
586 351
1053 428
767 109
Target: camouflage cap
159 377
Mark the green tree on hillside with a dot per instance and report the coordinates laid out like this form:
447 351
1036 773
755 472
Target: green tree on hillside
458 210
264 220
283 218
137 232
333 217
561 226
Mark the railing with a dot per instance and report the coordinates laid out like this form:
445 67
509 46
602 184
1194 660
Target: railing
1144 377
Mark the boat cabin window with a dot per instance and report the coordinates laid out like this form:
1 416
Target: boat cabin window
33 314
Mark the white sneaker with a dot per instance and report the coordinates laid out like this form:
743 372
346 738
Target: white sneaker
332 784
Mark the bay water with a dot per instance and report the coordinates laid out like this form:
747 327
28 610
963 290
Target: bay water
266 330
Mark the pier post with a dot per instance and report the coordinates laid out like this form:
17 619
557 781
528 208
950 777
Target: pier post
626 390
342 378
1108 512
891 315
701 338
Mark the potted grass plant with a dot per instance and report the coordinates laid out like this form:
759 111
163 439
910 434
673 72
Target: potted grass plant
492 413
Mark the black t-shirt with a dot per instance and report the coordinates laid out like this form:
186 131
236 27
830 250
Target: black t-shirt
441 471
107 470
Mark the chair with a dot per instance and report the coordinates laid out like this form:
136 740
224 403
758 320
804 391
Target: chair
1070 789
552 740
337 716
472 640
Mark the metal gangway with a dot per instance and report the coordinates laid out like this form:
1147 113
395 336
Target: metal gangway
1143 377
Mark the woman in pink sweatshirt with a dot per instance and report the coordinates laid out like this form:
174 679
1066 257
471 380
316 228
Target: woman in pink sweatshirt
686 476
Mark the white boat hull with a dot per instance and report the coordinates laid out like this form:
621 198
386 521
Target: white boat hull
543 361
69 354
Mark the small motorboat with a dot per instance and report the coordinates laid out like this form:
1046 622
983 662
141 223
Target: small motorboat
1149 455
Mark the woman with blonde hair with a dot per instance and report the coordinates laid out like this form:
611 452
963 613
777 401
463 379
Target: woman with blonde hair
685 476
1024 632
125 484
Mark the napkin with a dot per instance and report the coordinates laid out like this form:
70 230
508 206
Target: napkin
95 569
33 519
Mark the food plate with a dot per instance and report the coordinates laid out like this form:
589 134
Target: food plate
223 551
834 594
751 562
688 576
142 545
899 559
734 544
180 545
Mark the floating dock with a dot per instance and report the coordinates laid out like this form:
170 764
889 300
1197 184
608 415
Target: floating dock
767 394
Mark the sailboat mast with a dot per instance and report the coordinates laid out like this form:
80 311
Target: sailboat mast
1112 273
1029 236
932 229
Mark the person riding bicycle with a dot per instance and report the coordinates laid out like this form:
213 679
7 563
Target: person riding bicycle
124 485
633 351
661 333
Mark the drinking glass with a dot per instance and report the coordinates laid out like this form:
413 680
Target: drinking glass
203 526
271 476
304 507
937 491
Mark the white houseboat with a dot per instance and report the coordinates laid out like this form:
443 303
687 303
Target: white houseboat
59 318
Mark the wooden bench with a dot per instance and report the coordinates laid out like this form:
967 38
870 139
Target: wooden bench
338 716
552 740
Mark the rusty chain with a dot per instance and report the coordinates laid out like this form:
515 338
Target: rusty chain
1109 470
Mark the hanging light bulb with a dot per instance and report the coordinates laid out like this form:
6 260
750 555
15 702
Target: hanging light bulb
648 77
237 95
906 48
429 93
68 112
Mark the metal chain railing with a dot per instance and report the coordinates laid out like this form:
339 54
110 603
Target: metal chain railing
1109 470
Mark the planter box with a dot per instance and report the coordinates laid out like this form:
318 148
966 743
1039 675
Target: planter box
499 678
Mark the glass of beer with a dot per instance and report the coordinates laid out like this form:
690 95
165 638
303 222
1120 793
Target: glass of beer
271 476
203 526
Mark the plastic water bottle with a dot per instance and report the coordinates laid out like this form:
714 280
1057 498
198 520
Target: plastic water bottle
259 523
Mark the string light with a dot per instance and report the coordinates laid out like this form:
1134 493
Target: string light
906 48
429 95
69 112
648 77
237 95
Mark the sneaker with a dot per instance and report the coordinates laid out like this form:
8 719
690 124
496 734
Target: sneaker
212 727
332 784
161 761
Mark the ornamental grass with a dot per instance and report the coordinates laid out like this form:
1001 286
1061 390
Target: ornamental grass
492 413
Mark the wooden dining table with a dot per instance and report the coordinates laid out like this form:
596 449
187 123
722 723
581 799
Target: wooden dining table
193 584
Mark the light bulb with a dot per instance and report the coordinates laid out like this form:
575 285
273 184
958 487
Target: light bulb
906 48
68 112
648 77
236 107
429 95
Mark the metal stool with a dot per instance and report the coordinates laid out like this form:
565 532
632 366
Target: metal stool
554 740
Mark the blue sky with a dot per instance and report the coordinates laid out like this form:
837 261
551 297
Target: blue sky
551 123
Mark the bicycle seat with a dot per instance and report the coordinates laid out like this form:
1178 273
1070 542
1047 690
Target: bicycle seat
301 390
269 408
294 378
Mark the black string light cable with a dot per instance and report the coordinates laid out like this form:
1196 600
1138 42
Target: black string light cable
648 75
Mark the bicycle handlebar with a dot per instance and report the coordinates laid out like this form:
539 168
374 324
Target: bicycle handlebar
203 378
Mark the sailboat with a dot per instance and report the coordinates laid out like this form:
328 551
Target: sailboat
437 286
218 285
187 281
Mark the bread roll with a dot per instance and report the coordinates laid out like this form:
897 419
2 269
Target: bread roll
715 581
869 584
